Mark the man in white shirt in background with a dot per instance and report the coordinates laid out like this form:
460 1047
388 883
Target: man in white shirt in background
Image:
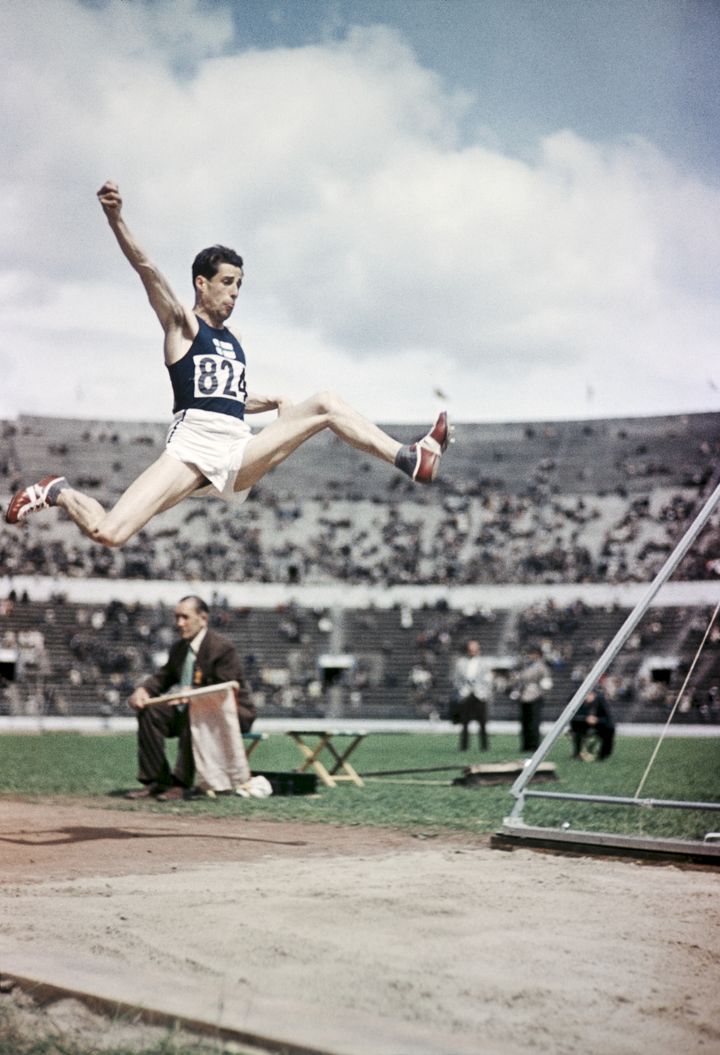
473 687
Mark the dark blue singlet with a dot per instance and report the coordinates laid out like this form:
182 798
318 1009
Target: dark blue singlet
211 374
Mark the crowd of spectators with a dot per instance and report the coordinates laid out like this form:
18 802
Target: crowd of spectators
494 540
78 658
602 503
533 519
86 652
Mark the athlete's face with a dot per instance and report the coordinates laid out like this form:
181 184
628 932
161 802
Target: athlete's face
217 295
188 620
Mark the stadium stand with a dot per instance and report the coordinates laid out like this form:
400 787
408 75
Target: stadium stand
573 503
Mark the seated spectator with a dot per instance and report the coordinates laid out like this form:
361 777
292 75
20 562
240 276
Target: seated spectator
593 717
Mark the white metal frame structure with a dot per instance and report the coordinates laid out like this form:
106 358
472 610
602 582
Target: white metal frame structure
517 830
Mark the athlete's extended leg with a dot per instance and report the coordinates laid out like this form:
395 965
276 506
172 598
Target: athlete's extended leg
162 485
326 410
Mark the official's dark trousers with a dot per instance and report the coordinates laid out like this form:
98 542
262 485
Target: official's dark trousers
156 724
530 716
472 709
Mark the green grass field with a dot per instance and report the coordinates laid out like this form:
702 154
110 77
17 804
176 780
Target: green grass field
103 767
13 1041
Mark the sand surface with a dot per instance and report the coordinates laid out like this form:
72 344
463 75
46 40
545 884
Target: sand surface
361 941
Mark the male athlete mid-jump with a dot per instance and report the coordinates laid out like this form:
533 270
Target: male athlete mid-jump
210 448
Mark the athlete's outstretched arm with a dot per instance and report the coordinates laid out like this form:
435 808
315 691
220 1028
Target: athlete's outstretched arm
256 403
165 304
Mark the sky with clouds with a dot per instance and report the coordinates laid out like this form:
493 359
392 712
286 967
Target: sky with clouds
515 203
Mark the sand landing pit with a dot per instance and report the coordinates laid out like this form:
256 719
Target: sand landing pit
360 941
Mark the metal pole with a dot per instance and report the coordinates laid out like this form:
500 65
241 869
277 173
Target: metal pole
614 647
620 800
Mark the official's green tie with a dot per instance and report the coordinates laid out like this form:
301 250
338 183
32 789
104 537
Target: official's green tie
186 674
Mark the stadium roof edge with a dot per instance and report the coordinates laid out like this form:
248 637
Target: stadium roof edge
340 595
22 418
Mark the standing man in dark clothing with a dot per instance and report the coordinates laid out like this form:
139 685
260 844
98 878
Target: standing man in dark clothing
534 681
201 657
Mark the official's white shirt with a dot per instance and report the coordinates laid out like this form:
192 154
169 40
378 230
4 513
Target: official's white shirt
198 640
473 678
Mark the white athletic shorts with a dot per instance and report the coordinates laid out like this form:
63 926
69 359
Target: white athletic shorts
214 444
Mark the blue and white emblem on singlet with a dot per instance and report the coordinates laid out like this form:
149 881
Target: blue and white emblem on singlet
224 348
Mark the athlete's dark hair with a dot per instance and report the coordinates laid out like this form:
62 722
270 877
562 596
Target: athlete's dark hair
207 262
200 605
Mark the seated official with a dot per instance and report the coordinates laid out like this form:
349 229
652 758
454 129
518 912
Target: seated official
201 657
593 716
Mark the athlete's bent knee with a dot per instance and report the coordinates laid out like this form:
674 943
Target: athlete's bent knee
327 403
109 540
111 536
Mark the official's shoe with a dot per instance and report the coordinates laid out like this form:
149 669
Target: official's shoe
173 794
147 791
31 499
429 450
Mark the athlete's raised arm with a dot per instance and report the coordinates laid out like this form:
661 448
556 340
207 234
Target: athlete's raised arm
256 404
171 313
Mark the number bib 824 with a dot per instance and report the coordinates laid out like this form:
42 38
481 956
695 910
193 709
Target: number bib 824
216 376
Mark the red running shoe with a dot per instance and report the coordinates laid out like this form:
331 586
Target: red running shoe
31 499
430 449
